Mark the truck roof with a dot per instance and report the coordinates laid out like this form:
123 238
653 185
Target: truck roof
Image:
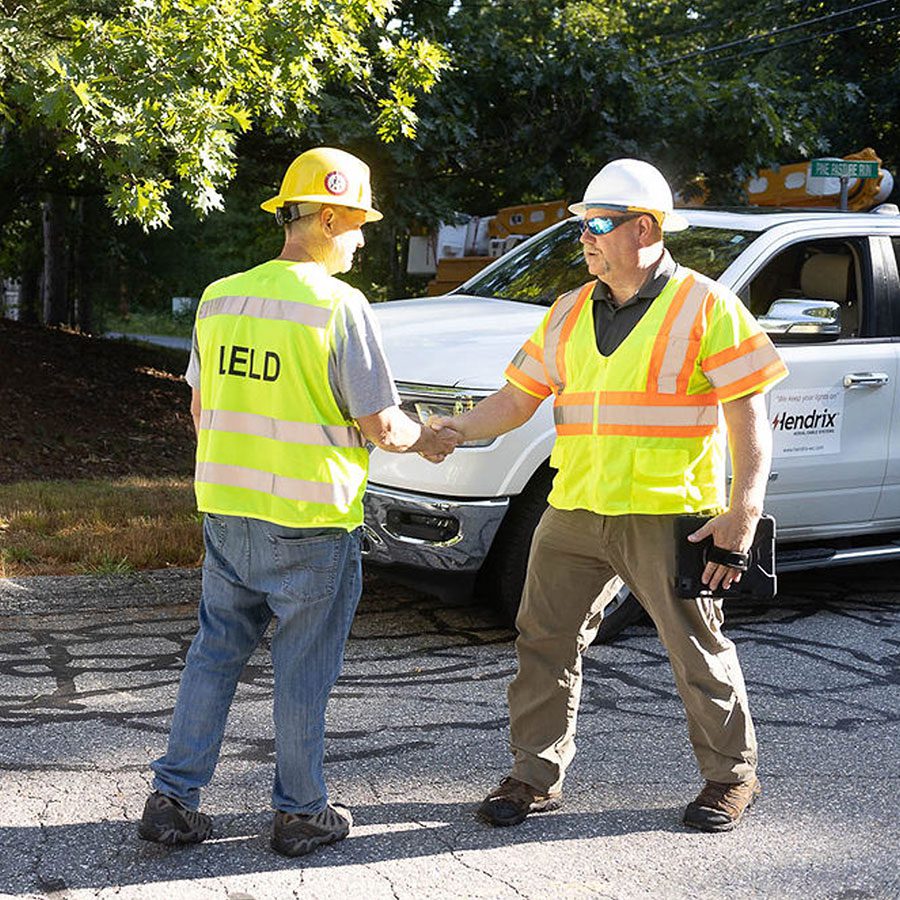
755 218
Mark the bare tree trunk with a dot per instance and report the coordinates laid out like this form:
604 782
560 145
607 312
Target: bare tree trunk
124 305
398 246
30 292
56 261
81 289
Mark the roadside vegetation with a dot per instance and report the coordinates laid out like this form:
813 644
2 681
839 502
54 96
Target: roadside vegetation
96 457
98 527
142 321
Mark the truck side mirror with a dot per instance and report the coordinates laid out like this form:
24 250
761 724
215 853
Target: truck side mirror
802 319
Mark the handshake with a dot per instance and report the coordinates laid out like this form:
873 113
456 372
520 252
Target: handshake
441 435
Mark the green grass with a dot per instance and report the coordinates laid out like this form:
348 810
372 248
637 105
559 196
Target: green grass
104 526
107 564
143 322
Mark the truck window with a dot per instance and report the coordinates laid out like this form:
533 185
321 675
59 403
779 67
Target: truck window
814 270
551 265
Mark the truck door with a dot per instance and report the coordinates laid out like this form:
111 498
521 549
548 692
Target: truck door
889 504
831 417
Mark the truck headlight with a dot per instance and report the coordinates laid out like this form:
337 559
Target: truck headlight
421 406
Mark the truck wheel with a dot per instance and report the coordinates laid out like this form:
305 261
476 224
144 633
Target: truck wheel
502 576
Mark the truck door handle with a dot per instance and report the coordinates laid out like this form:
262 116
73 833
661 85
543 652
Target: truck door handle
865 379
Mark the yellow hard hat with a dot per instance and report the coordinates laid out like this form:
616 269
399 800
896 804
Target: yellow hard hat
326 175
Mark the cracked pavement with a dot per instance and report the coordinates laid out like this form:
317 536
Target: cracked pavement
417 735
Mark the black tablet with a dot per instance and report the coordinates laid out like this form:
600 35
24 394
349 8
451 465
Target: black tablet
758 582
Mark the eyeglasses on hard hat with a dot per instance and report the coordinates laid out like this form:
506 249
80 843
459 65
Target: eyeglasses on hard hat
605 224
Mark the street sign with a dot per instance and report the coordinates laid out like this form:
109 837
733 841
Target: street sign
843 168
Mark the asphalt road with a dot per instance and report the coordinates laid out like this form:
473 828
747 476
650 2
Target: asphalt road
416 735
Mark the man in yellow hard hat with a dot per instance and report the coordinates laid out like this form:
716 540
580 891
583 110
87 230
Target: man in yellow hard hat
641 361
289 381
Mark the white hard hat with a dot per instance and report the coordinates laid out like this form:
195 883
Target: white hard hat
632 184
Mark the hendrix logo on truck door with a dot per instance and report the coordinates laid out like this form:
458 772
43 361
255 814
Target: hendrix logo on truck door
806 420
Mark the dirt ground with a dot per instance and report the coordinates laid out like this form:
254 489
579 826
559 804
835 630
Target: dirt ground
75 406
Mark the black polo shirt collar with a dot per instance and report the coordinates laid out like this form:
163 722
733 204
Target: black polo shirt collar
649 290
613 322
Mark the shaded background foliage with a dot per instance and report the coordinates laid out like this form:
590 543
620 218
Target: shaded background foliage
147 132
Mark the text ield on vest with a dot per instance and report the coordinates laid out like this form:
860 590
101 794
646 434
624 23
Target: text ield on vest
249 362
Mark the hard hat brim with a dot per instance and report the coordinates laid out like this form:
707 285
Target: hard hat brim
672 221
372 214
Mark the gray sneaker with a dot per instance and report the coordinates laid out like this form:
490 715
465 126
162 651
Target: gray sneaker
297 835
166 821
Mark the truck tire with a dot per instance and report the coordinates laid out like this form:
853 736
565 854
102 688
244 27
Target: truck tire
502 576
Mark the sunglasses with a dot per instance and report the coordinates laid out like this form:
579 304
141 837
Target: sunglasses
604 224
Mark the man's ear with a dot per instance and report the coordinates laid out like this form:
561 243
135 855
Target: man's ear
649 230
327 219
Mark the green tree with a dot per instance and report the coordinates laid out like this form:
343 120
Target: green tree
166 107
145 100
838 61
542 92
153 94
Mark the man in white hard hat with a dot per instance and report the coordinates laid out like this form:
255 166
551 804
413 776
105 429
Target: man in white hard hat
289 381
641 361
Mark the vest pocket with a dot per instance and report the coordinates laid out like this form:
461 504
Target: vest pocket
660 471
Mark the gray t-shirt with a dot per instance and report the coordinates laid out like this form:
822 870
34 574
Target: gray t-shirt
358 370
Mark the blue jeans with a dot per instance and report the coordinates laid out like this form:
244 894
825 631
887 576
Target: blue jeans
310 580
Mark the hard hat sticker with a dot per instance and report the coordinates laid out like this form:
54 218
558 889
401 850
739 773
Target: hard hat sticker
336 183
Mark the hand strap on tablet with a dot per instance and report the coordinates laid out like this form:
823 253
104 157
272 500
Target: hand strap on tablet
731 558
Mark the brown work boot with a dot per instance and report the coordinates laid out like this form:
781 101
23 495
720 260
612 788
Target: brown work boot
720 806
509 803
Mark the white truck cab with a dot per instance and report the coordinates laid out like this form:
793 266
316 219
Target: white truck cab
824 285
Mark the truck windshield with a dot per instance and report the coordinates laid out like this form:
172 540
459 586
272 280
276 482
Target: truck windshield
553 264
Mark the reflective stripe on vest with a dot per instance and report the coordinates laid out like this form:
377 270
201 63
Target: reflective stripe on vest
280 429
678 342
664 408
266 308
528 365
737 363
276 485
645 418
562 320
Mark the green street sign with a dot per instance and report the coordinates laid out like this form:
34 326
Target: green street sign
843 168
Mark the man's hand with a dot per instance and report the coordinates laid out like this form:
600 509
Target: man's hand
441 441
732 530
750 443
436 423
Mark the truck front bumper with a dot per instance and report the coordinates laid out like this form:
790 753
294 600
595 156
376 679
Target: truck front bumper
425 532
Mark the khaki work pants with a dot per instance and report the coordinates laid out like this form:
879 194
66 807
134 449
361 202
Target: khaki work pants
575 556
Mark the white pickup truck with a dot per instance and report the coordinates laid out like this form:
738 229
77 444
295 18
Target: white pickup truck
824 284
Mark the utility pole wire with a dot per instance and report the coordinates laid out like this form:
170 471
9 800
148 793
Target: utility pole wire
710 24
804 40
774 31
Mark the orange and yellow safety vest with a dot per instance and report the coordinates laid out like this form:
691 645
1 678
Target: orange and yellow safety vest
639 431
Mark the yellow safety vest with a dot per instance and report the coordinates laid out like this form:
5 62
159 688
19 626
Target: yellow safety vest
639 431
273 443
